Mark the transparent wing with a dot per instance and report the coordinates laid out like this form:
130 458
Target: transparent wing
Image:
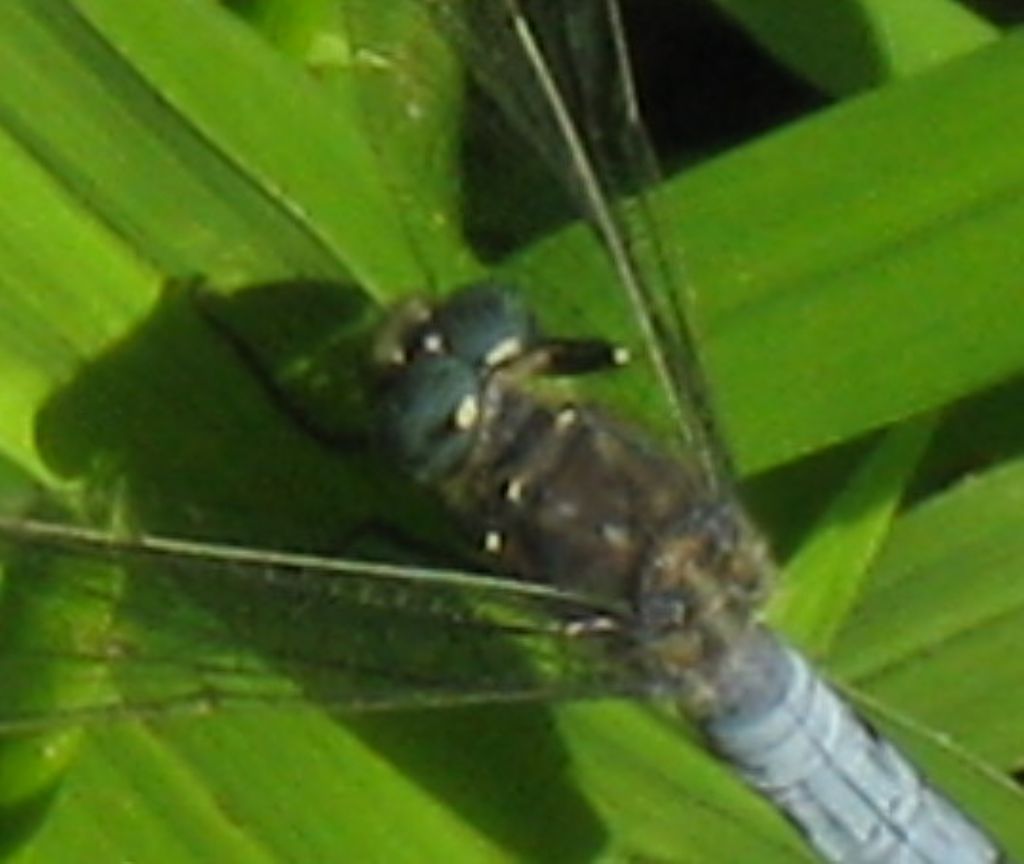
560 72
180 633
154 626
405 82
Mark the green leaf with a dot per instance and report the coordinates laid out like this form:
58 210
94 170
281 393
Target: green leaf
851 45
824 578
936 636
852 270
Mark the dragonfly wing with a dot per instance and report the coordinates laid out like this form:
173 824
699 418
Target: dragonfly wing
560 73
147 628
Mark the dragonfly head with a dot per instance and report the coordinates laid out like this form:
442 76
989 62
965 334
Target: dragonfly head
432 362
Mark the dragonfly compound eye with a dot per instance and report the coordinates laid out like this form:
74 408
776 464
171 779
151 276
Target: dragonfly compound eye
486 325
427 415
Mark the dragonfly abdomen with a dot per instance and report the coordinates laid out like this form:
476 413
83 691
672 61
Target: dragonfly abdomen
848 789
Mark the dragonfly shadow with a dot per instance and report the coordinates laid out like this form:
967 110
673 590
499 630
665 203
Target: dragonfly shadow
172 425
20 821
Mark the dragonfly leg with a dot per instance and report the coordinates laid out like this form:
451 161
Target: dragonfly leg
568 357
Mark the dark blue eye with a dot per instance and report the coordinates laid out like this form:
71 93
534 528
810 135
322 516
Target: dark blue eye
425 415
484 324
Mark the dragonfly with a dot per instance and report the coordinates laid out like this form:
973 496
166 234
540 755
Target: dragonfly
463 625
